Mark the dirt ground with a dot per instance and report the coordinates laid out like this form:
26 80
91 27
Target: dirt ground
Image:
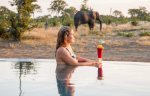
116 48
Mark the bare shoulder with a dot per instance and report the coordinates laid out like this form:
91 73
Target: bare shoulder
61 51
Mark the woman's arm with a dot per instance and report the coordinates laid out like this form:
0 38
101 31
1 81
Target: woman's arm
80 59
63 54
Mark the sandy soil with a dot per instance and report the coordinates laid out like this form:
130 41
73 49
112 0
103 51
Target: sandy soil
115 49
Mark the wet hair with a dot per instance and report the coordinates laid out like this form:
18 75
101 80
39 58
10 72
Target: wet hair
62 36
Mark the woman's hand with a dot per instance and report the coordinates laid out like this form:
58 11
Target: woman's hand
98 62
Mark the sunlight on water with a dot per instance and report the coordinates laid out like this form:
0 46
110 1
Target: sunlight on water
41 77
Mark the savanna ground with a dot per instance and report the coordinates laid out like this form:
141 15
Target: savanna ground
40 43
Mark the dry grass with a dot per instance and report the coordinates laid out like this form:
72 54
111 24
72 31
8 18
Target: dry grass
40 36
41 33
146 43
114 43
143 38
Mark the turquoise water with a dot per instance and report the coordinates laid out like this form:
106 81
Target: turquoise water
39 77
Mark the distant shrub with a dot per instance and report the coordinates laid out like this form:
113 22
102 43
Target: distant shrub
53 22
68 22
105 20
134 22
125 34
144 33
109 21
121 33
129 34
117 22
123 20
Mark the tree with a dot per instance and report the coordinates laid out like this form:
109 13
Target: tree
57 6
133 12
70 11
141 13
36 8
117 13
84 6
4 21
20 22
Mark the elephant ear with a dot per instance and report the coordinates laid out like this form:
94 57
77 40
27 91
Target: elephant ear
94 15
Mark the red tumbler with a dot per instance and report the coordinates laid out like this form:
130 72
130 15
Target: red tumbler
99 52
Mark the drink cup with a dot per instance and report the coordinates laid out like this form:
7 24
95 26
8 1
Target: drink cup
99 52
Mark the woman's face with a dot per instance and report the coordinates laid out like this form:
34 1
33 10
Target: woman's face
71 37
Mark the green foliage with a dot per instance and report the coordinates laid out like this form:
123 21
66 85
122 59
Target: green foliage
144 33
57 6
20 22
121 33
134 22
84 6
109 21
53 22
123 20
129 34
141 13
5 23
125 34
5 36
117 13
68 22
70 11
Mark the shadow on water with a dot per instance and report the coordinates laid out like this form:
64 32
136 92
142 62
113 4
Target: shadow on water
24 68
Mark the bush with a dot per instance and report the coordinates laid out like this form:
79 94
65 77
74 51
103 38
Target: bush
129 34
109 21
53 22
121 34
68 22
134 22
5 36
123 20
125 34
144 33
117 22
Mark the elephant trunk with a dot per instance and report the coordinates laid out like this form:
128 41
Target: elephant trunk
100 21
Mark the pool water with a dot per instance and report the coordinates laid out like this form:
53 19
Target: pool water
35 77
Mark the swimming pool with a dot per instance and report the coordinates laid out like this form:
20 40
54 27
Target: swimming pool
39 77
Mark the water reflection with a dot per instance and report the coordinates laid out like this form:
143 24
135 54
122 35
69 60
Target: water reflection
100 74
63 76
24 68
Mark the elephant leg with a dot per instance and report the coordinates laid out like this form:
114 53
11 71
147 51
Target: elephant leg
77 23
76 27
90 26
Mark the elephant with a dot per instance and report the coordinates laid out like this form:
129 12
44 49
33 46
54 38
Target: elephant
83 17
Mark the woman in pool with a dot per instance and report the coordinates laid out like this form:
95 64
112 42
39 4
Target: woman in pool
64 53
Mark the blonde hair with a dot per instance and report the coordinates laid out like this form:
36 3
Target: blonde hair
62 36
